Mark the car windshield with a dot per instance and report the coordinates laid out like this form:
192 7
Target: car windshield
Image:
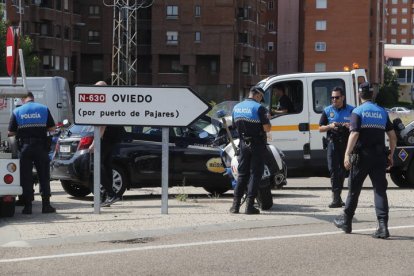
227 106
80 129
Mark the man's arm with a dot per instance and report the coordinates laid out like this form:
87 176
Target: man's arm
353 138
393 143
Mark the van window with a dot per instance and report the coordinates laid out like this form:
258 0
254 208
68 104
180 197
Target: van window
286 97
322 90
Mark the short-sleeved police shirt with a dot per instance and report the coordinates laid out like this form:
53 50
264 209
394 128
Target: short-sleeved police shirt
249 117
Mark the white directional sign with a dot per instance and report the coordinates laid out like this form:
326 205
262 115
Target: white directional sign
147 106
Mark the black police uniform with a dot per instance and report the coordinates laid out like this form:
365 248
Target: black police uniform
337 141
249 117
371 121
31 121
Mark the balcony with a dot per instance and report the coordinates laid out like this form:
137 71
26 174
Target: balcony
47 14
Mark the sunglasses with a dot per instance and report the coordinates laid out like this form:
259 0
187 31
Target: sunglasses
335 97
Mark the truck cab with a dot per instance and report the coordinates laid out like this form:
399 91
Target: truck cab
297 132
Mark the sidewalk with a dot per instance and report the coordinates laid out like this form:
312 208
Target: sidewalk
139 215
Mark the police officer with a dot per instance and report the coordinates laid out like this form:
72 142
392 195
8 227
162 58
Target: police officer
369 122
252 123
30 123
335 121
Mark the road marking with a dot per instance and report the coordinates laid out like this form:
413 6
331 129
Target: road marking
191 244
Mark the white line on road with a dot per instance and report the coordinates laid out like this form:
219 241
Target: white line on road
191 244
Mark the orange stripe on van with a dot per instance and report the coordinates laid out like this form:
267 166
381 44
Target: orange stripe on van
293 127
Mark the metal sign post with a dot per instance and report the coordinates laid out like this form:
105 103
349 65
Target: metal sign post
141 106
97 170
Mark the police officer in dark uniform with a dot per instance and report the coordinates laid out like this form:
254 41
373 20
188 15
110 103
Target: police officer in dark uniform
369 156
252 122
335 120
30 123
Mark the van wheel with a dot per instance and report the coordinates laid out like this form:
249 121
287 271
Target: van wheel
74 189
399 177
264 196
119 180
7 209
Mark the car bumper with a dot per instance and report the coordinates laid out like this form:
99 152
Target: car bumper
76 169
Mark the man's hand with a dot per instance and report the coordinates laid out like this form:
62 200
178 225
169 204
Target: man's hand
390 161
347 162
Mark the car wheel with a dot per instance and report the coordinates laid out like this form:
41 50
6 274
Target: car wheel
120 180
399 177
74 189
409 138
410 175
216 191
7 209
264 196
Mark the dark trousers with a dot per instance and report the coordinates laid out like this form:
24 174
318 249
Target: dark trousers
38 155
337 171
250 169
374 164
106 168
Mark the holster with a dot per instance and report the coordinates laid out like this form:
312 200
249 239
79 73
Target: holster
325 142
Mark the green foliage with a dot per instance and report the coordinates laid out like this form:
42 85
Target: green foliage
26 44
388 92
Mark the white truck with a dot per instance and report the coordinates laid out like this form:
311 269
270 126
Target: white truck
297 133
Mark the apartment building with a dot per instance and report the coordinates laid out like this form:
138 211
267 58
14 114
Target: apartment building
399 20
340 33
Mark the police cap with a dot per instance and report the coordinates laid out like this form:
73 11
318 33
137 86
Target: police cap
257 89
365 87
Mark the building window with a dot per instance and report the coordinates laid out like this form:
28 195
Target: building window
321 4
270 46
172 38
394 11
393 41
393 21
412 41
403 31
97 65
76 34
94 11
44 29
66 5
394 2
404 11
172 12
405 1
66 63
270 67
393 31
270 5
58 5
320 25
94 36
320 46
58 32
213 67
403 41
176 67
57 62
47 62
66 33
197 10
197 36
270 25
245 67
320 67
243 38
404 21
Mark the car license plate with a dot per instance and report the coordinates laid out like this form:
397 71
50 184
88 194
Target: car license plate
266 172
64 148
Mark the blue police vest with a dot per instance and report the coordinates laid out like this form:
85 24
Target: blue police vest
342 115
372 116
247 120
31 114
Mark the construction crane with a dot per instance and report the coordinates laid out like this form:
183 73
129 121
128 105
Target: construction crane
124 39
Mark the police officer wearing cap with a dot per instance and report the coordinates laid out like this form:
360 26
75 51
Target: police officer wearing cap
30 124
335 121
252 123
366 143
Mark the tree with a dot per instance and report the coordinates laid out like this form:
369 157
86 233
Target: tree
26 44
388 92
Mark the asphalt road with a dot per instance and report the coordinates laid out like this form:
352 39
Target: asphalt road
199 237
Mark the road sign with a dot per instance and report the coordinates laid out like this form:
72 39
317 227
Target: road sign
12 45
146 106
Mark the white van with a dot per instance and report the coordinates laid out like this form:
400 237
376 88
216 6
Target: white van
297 133
50 91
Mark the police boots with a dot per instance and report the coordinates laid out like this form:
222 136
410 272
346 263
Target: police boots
344 222
336 200
250 209
235 208
46 207
382 230
27 210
